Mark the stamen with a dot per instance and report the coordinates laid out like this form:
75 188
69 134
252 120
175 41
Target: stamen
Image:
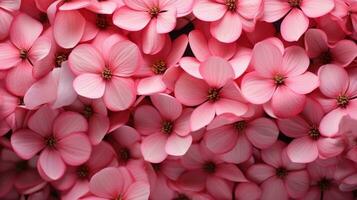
50 141
294 3
213 95
156 166
325 57
240 126
87 111
167 127
60 58
154 12
107 74
281 172
83 171
159 67
181 197
101 21
231 5
124 154
342 101
23 54
324 184
209 167
279 79
314 133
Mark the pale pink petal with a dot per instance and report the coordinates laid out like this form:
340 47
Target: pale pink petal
297 183
153 148
68 28
315 42
75 149
75 4
230 172
249 8
44 114
220 49
188 95
9 56
24 31
274 188
273 155
10 5
247 191
130 20
126 136
219 188
199 45
295 61
207 10
124 58
299 84
147 120
330 147
329 125
98 128
216 72
119 94
193 180
303 150
20 86
221 139
166 21
274 10
151 85
177 145
78 190
26 143
177 50
89 85
105 183
228 29
294 25
52 164
286 103
182 124
333 80
40 49
241 61
5 22
240 153
103 7
152 42
191 66
224 106
138 191
69 122
294 126
317 8
202 116
256 89
344 52
260 172
141 5
85 59
167 105
262 133
267 58
313 111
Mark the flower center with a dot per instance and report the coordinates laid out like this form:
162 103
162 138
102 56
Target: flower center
24 54
124 154
154 11
43 17
167 127
21 166
342 101
107 74
50 141
279 79
240 125
87 111
231 5
209 167
120 197
281 172
159 67
60 58
325 57
294 3
181 197
156 166
101 21
314 133
213 95
82 171
324 184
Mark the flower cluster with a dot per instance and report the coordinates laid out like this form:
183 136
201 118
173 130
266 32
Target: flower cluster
178 99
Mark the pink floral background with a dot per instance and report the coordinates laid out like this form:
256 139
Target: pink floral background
178 99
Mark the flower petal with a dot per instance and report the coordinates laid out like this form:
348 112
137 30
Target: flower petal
105 183
302 150
274 10
75 149
297 183
26 143
294 25
228 29
85 59
166 21
153 148
167 105
202 116
267 59
286 103
209 11
119 94
216 72
333 80
131 20
9 55
188 95
177 145
147 120
123 58
89 85
262 132
69 122
138 191
303 84
317 8
295 61
257 89
52 164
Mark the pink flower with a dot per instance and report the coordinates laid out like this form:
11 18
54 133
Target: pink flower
340 92
106 75
309 144
24 48
206 171
248 191
205 47
6 8
158 68
235 138
155 18
278 176
117 183
228 17
59 137
216 94
166 128
347 129
317 47
280 78
298 13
